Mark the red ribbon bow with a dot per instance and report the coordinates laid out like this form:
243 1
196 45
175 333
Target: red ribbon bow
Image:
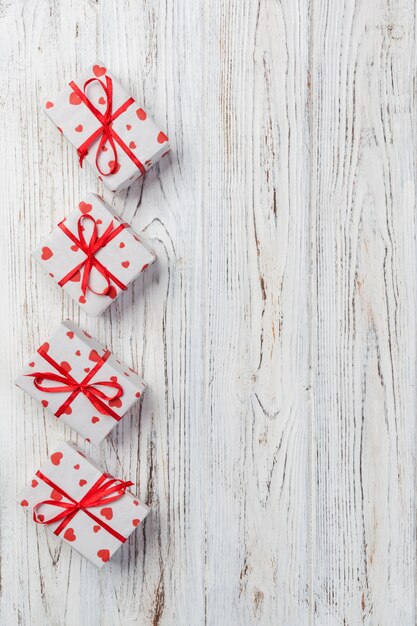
90 249
106 131
105 490
69 384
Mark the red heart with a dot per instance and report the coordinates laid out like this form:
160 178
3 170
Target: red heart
41 517
141 114
77 466
66 366
76 278
113 379
135 522
75 248
34 483
79 128
145 267
49 104
82 482
55 495
122 244
69 534
104 555
56 458
125 263
94 356
46 253
162 138
86 369
78 353
70 334
85 207
137 394
99 221
32 364
24 503
112 292
96 528
107 512
82 300
45 403
117 168
74 98
68 410
132 145
135 502
95 419
128 127
102 100
99 70
116 402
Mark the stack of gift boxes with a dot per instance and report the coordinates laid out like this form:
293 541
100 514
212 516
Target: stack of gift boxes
94 256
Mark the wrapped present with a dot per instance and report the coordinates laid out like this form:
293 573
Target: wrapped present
93 255
107 127
80 382
88 508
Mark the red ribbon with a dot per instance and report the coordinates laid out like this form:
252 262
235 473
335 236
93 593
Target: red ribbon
90 249
105 490
106 132
69 384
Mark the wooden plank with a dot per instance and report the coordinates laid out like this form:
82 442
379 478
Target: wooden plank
363 314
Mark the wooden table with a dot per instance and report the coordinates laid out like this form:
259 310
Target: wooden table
276 443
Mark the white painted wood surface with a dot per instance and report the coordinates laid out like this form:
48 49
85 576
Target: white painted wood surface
276 443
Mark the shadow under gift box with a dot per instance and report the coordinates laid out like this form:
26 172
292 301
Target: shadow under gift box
119 254
106 513
81 382
107 127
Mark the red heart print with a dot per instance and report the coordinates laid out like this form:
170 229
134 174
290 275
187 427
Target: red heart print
102 100
96 528
34 483
76 278
162 138
137 394
113 379
82 482
94 356
79 128
56 458
69 534
24 503
45 403
107 512
145 267
136 522
74 98
86 370
99 70
41 517
68 410
125 263
104 555
95 419
49 104
132 145
75 248
85 207
117 169
55 495
82 300
32 364
135 502
70 334
99 221
46 253
78 353
112 292
116 402
66 366
122 244
77 466
141 114
128 126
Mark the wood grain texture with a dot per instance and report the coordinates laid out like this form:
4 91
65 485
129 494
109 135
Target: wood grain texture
276 442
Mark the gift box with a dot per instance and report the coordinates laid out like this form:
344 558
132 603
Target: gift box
80 382
93 255
109 129
88 508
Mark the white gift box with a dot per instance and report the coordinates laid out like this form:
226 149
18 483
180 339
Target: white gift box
121 255
99 525
107 127
81 382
